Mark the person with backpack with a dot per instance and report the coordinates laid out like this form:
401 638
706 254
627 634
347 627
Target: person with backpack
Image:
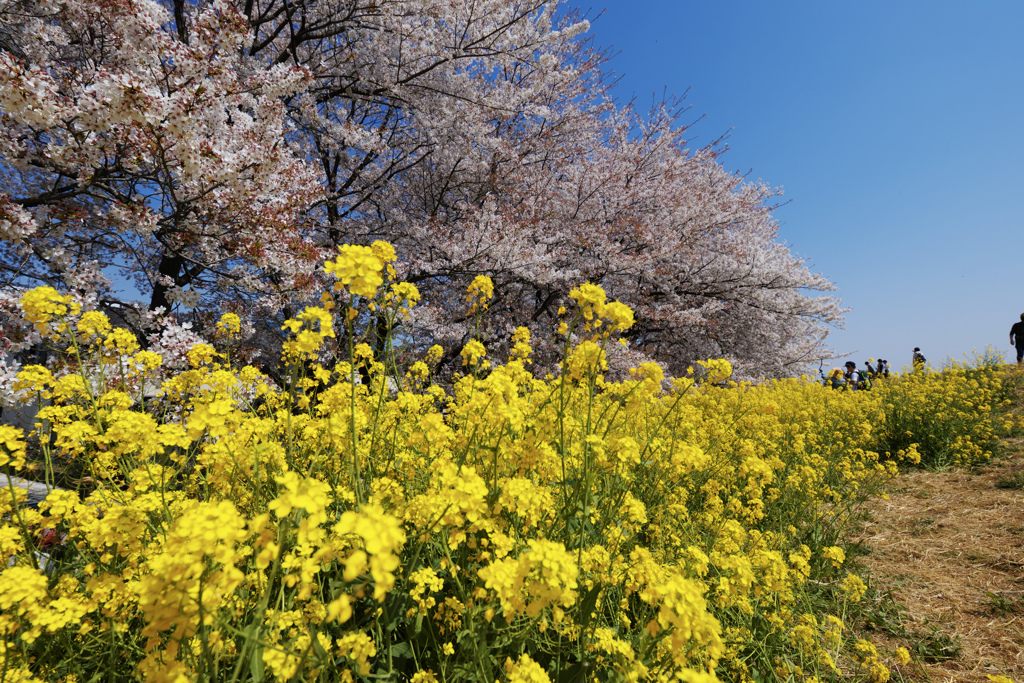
919 360
855 379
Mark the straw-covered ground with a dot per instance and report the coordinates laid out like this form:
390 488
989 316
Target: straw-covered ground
948 549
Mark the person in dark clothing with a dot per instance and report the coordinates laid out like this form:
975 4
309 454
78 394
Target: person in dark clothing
1017 338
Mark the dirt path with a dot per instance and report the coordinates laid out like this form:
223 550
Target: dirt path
950 548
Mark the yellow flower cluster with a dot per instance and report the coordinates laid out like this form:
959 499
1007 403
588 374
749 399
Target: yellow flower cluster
947 417
544 576
310 328
479 292
93 324
525 670
359 268
12 447
229 325
472 353
507 528
43 305
597 311
403 296
868 657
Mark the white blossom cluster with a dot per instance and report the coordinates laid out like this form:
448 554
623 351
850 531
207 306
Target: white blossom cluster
123 146
171 339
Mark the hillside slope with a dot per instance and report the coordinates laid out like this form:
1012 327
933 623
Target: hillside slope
949 546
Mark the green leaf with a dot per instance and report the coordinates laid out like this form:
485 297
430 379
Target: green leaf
402 650
256 663
587 607
321 653
576 673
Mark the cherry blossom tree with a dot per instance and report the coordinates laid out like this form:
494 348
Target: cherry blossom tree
124 147
691 248
219 152
480 138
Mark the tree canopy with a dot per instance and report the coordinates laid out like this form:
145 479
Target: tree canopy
217 153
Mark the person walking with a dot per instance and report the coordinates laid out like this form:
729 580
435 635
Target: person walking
919 359
854 379
1017 338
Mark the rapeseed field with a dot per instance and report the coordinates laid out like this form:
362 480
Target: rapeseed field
368 523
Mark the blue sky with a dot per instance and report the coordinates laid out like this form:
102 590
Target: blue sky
896 130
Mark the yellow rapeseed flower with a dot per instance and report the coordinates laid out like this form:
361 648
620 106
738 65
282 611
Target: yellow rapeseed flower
358 268
44 304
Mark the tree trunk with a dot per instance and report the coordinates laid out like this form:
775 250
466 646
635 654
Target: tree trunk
170 266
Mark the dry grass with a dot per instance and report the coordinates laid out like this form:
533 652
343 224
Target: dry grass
950 547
